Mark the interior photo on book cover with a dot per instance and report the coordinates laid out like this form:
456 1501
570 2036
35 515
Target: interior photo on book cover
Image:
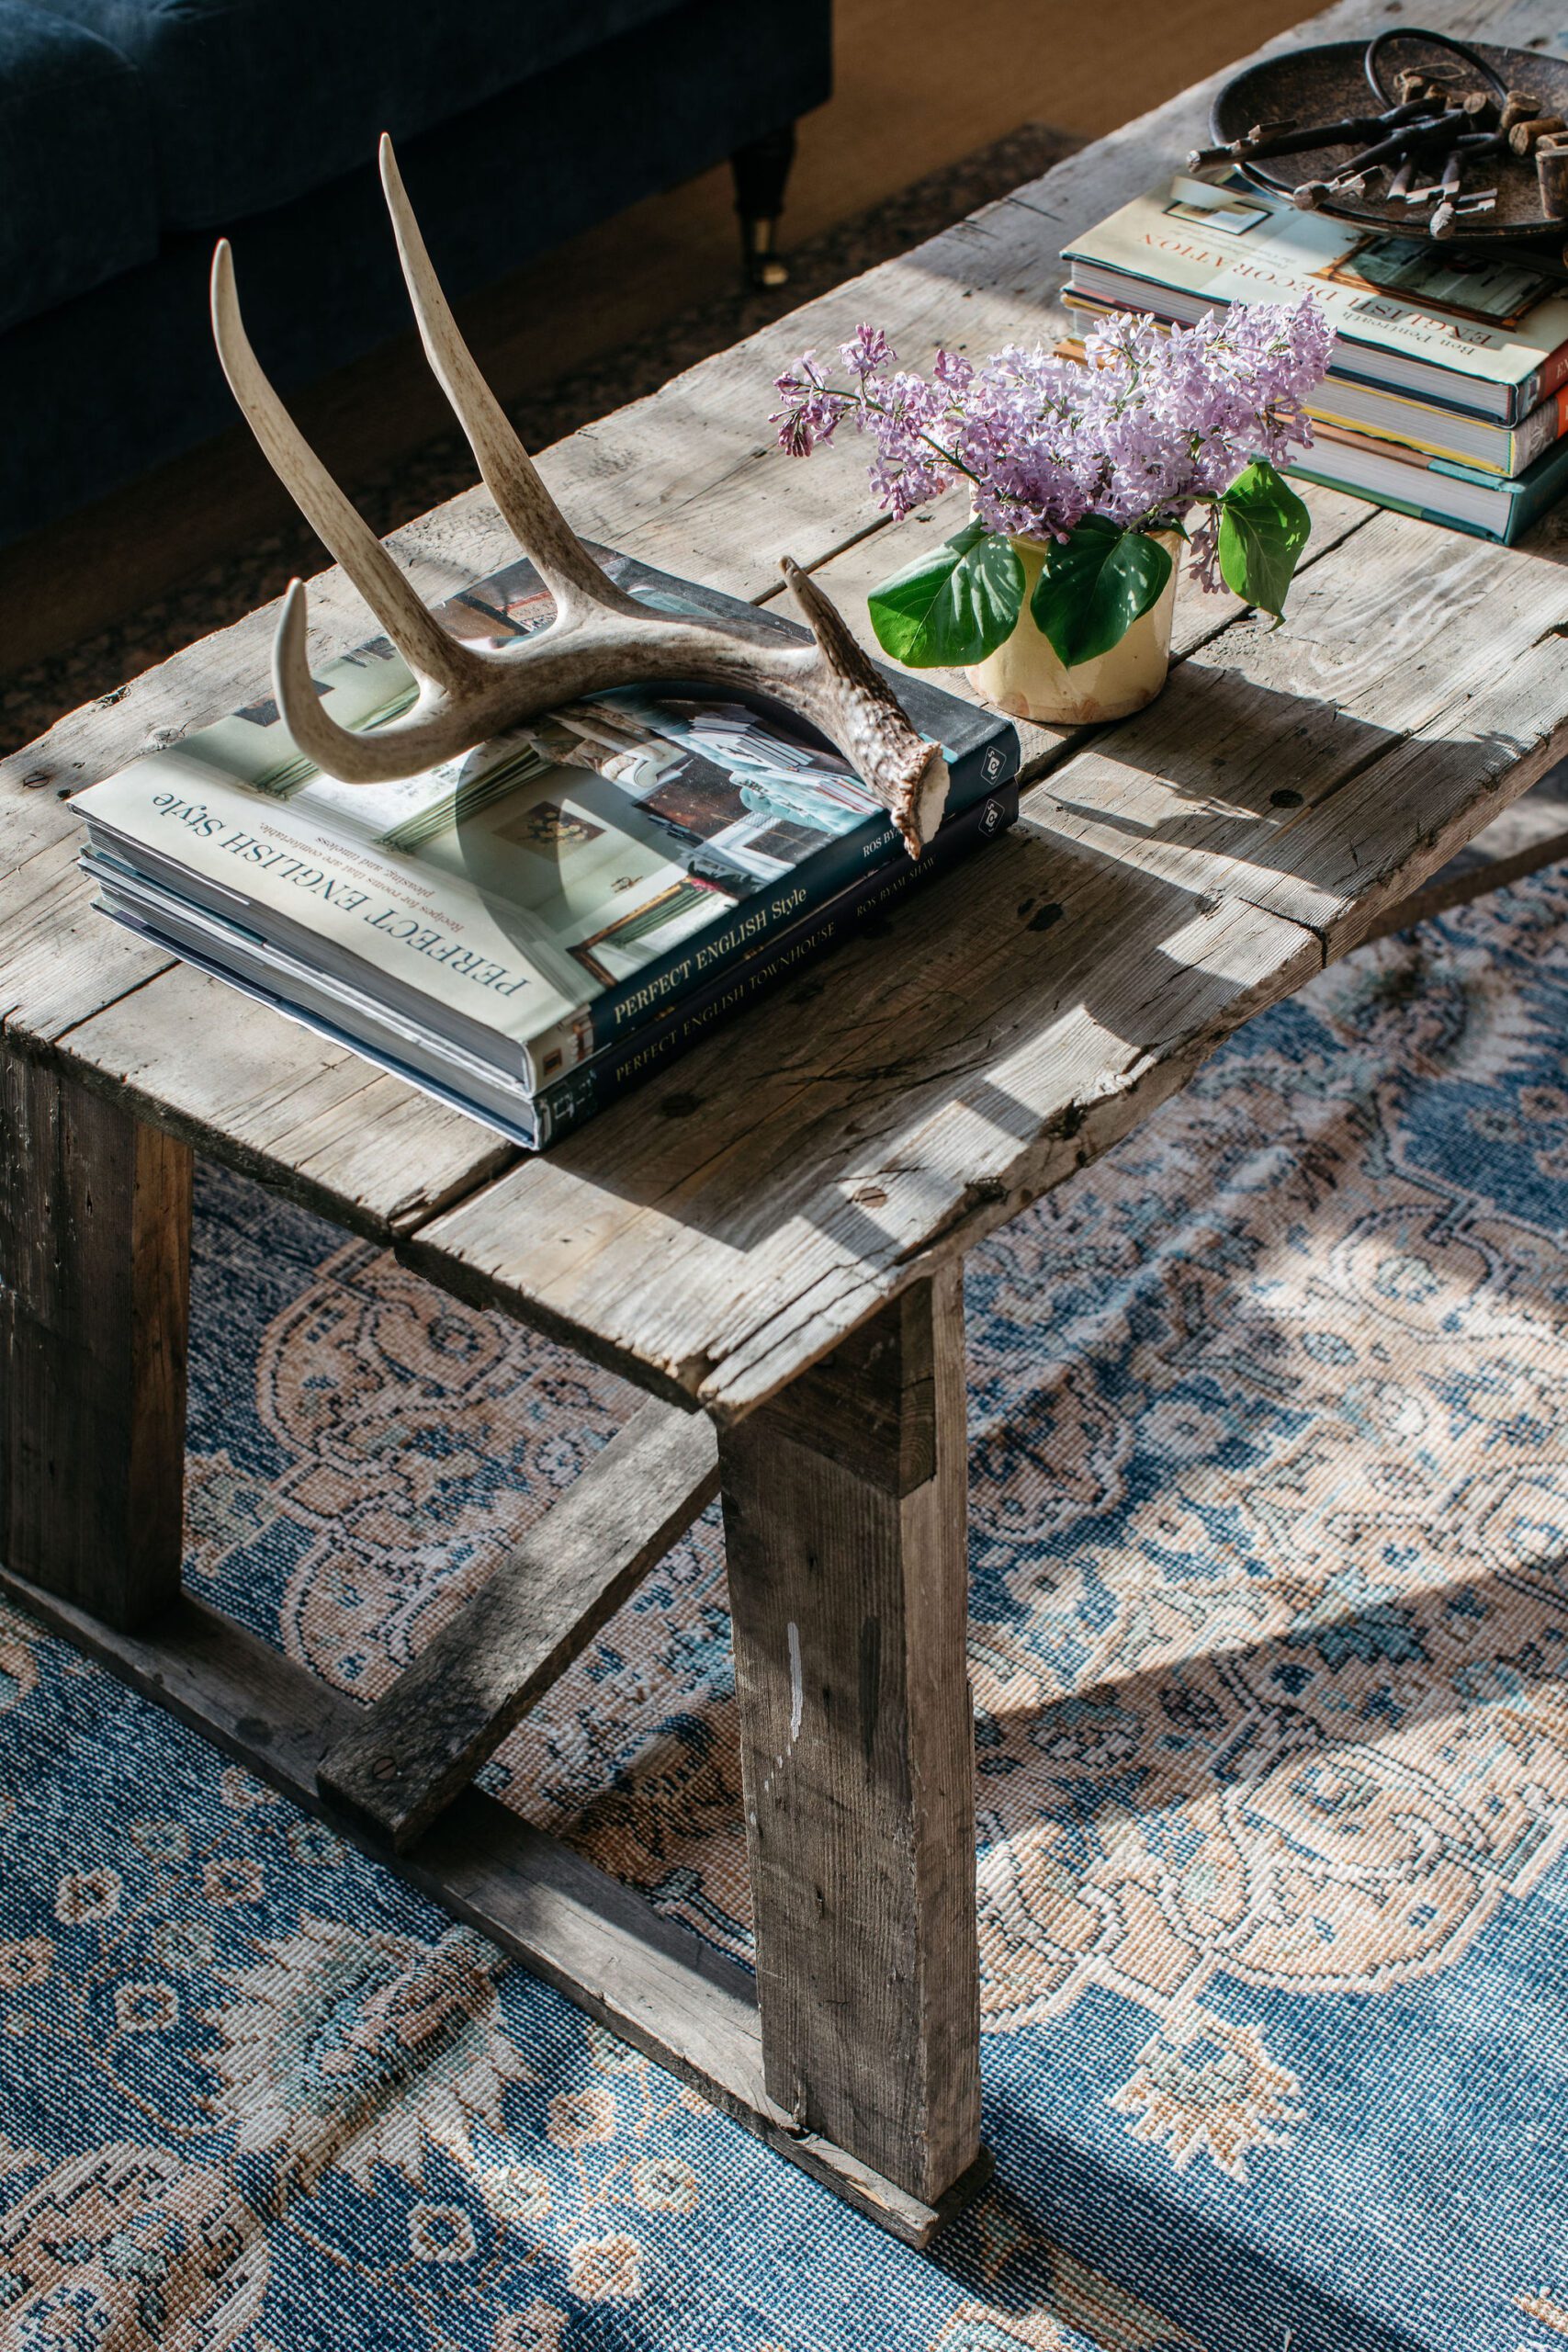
1403 312
529 904
597 836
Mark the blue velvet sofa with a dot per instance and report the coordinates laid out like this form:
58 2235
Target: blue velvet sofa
134 132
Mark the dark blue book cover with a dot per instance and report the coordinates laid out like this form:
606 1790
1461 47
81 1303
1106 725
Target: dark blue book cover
549 893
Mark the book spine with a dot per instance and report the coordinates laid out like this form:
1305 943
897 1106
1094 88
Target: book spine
1539 384
625 1011
1545 424
567 1101
1403 506
1534 498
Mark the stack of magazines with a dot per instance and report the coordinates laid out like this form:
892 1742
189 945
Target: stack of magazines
529 929
1448 393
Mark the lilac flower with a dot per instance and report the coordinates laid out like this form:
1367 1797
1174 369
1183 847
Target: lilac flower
1149 425
814 411
868 350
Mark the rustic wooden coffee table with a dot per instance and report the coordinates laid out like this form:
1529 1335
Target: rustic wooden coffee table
769 1238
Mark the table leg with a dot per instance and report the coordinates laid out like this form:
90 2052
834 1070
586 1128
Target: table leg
95 1251
844 1520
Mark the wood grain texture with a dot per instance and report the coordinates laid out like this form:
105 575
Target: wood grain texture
850 576
599 1944
740 1215
1533 832
95 1255
311 1120
733 1221
422 1741
848 1588
1420 683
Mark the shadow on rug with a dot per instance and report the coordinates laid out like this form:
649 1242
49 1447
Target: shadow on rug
1270 1503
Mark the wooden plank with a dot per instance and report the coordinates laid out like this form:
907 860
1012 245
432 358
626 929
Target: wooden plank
422 1742
851 575
1437 795
731 1222
313 1121
844 1514
95 1258
59 959
1533 832
1320 770
599 1943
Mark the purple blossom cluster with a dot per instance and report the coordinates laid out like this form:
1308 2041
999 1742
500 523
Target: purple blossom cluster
1149 425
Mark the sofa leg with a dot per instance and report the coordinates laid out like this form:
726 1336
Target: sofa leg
761 169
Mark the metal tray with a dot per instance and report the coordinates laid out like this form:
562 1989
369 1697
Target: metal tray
1328 84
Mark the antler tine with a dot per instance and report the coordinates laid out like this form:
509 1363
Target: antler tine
862 714
424 645
381 755
603 637
535 522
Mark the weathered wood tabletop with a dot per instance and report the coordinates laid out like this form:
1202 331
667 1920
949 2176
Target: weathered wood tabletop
770 1229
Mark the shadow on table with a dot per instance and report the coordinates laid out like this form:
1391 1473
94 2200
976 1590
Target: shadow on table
1155 889
1015 986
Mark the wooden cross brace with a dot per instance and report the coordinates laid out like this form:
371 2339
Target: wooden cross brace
854 2051
420 1744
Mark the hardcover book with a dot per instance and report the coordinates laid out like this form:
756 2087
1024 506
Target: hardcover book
1428 428
548 893
346 1017
1478 330
1461 497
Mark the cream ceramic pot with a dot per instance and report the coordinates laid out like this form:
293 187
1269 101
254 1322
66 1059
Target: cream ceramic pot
1024 678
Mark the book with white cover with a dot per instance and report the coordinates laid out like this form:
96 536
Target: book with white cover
1431 428
1478 330
542 897
297 987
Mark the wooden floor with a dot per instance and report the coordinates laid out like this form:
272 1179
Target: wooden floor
919 84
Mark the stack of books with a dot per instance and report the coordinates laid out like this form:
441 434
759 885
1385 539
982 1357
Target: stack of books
528 930
1447 392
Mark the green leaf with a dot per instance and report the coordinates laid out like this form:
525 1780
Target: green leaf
954 605
1263 528
1094 584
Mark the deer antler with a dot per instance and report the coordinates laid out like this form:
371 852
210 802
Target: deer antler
600 638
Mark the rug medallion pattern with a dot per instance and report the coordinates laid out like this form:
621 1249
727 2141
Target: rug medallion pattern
1270 1652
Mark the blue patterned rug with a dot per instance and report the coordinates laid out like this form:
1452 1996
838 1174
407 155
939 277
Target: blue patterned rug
1269 1417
